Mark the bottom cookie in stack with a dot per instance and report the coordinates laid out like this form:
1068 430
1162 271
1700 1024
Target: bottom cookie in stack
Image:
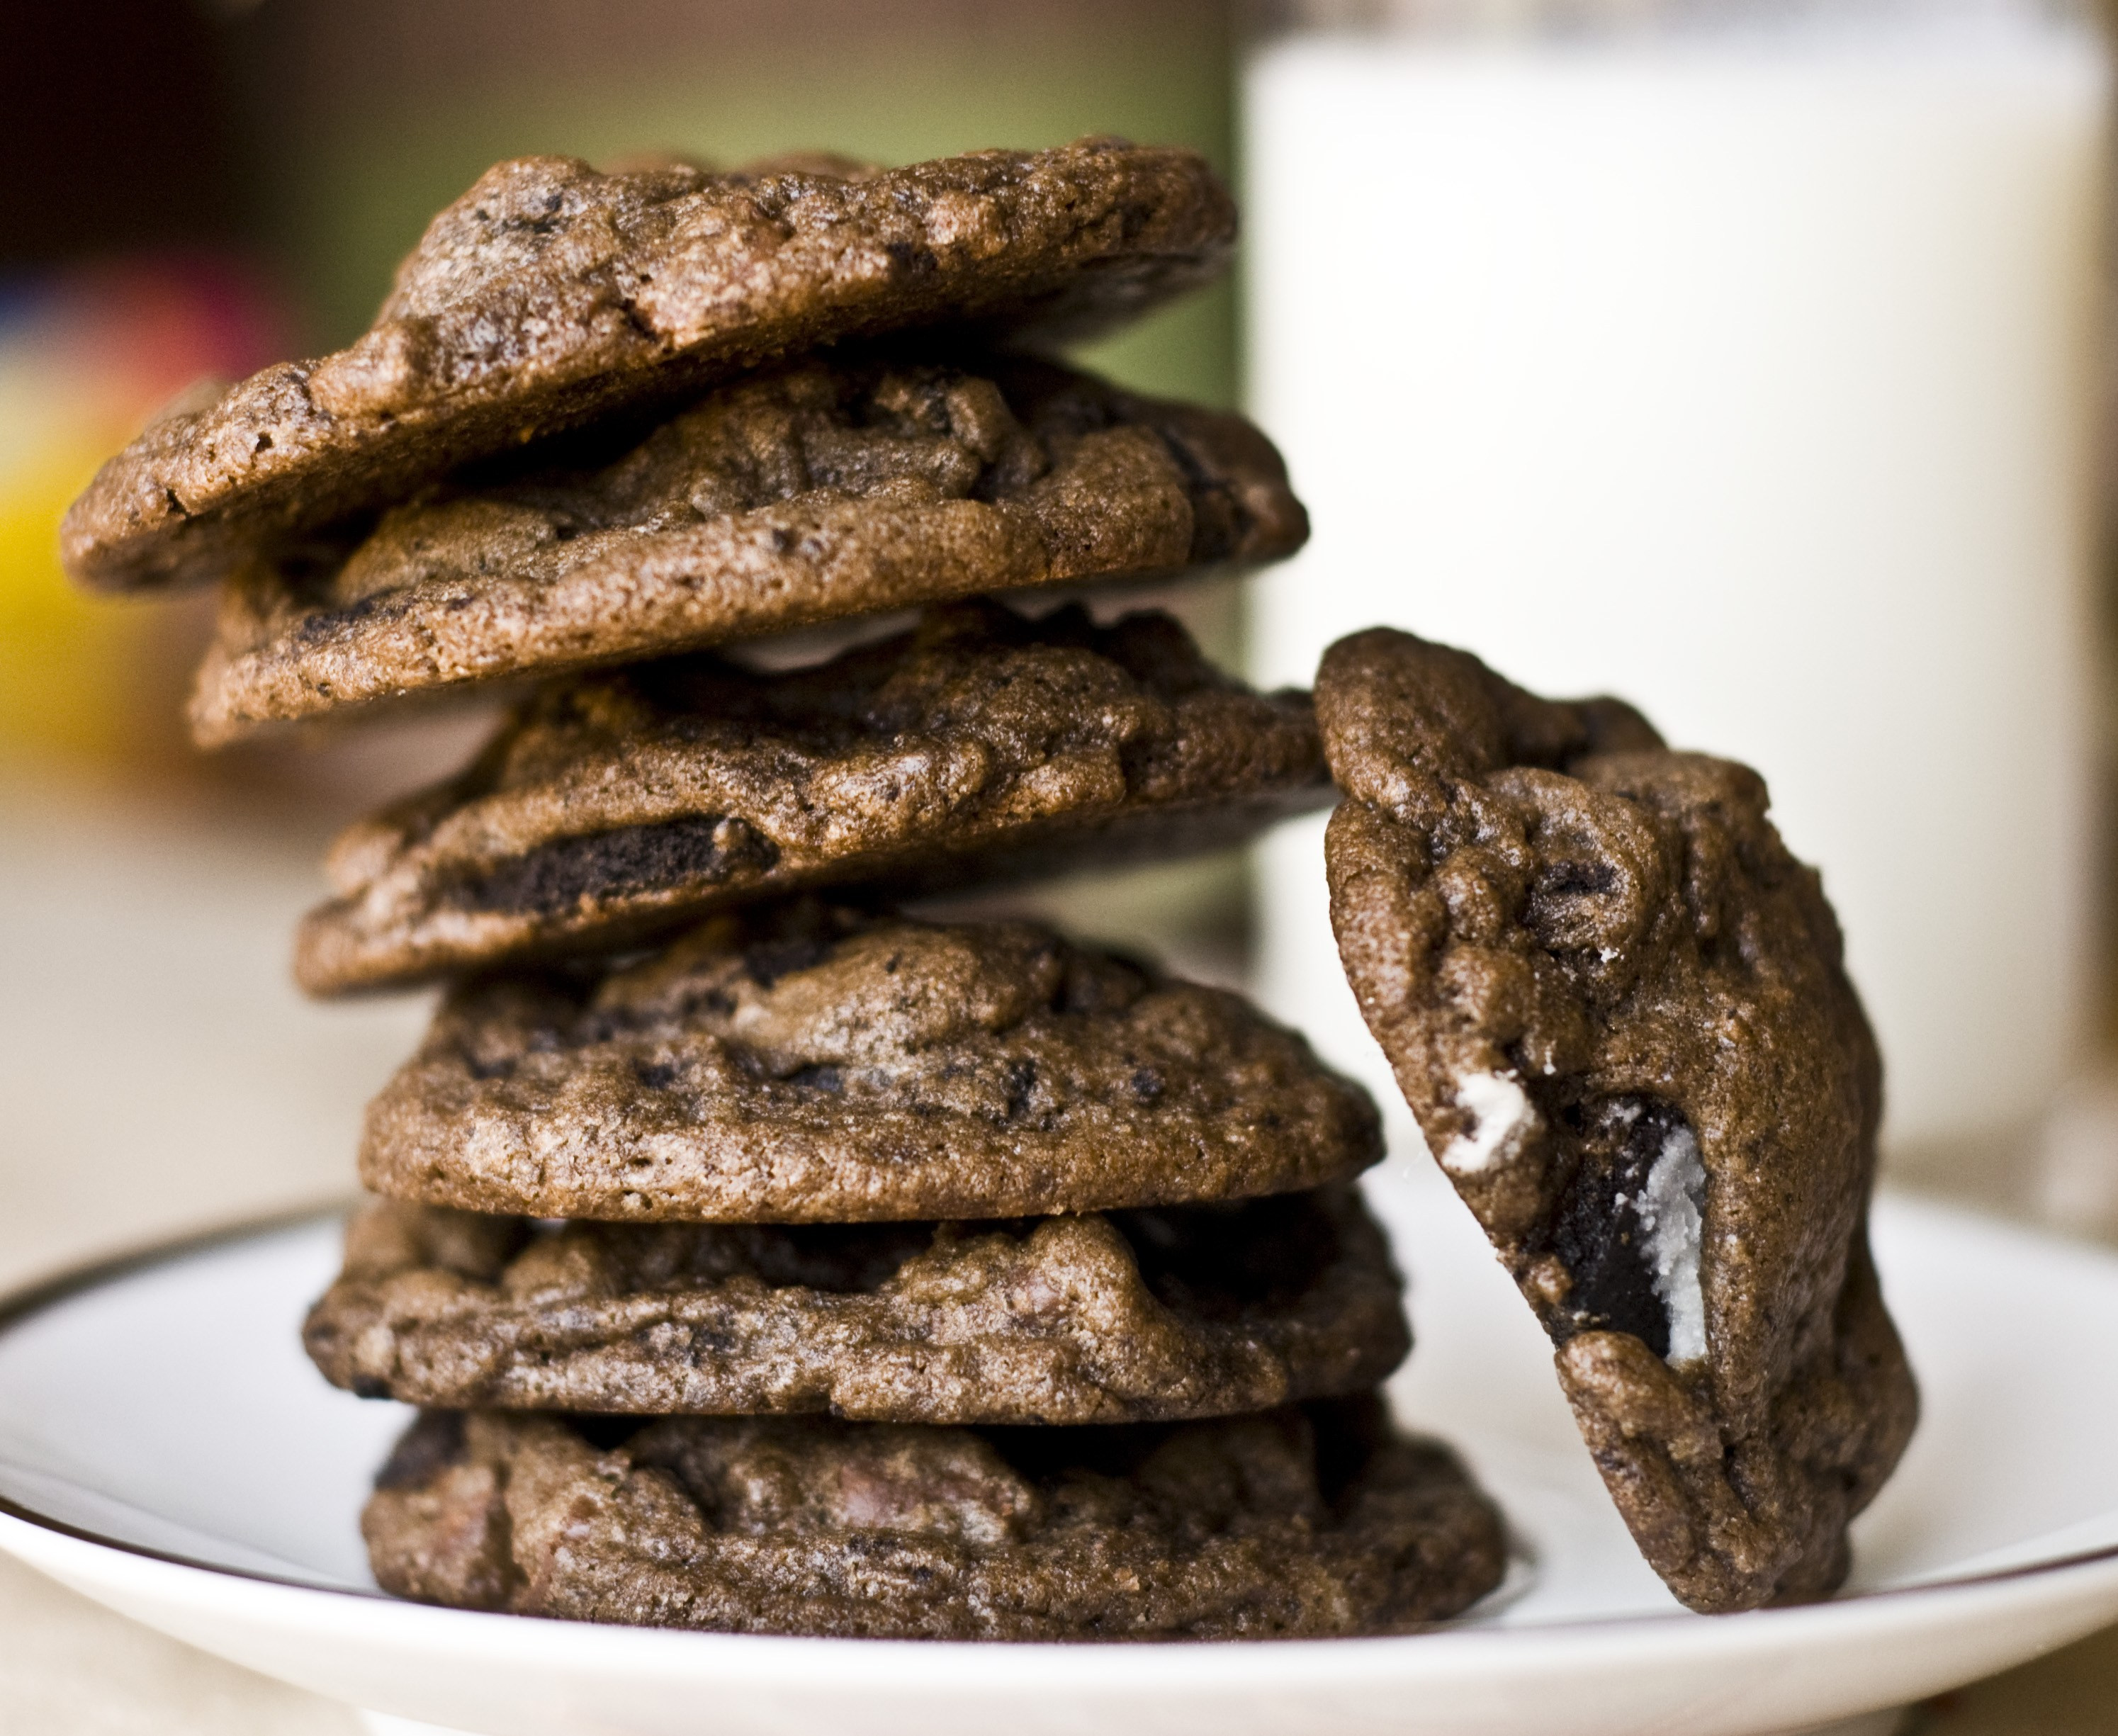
1308 1521
1124 1387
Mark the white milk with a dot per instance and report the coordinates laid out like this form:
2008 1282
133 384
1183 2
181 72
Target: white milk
1752 379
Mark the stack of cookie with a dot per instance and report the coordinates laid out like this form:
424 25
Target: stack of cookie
765 1257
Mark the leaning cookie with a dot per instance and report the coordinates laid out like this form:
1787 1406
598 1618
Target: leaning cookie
1133 1317
550 296
797 1064
824 491
1616 1005
980 746
1309 1522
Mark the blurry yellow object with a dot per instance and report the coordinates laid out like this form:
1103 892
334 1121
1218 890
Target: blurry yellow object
84 358
64 659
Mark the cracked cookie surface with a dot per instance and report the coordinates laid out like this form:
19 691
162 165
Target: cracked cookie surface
1309 1522
980 746
1132 1317
826 490
1616 1005
798 1064
550 296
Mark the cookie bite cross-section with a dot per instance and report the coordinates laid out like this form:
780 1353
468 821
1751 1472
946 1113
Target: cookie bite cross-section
1617 1006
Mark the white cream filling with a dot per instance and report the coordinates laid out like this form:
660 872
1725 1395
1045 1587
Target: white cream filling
1502 1118
1671 1209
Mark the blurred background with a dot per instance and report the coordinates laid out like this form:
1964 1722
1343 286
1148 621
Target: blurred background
1749 358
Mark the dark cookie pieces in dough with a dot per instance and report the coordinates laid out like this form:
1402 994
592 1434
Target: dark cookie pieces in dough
794 1064
1616 1004
550 295
1309 1522
1132 1317
980 746
826 490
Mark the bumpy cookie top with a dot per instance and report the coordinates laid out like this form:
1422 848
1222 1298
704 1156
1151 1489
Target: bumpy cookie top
799 1064
550 294
979 746
1316 1521
1616 1004
1132 1317
817 491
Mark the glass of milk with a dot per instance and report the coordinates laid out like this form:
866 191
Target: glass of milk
1743 360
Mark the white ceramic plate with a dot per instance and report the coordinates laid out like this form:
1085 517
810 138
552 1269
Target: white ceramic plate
165 1448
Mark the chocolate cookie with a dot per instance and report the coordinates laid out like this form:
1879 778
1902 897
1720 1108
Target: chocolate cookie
1309 1522
981 747
1615 1003
824 491
1133 1317
549 296
794 1064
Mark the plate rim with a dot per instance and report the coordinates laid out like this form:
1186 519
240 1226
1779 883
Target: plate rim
25 1301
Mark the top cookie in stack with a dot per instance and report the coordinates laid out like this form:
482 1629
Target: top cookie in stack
816 1156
